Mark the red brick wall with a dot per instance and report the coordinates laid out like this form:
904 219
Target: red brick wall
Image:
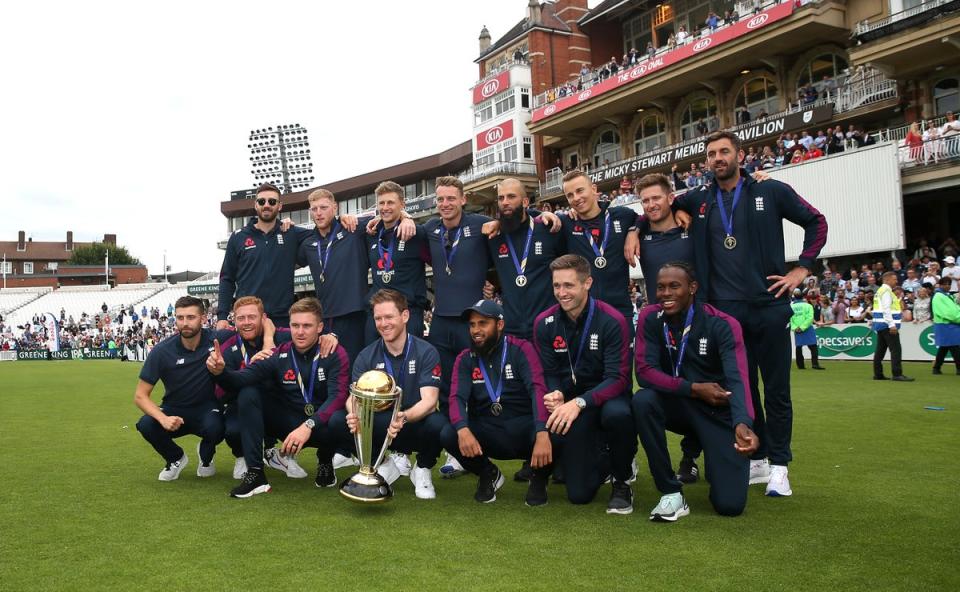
45 281
607 42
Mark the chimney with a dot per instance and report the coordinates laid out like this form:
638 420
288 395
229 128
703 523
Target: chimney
533 11
69 240
484 39
110 239
22 241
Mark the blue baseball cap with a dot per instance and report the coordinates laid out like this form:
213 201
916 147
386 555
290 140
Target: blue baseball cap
487 308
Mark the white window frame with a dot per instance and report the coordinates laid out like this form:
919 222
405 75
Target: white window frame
28 268
6 267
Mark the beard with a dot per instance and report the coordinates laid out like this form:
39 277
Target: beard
265 217
483 349
511 222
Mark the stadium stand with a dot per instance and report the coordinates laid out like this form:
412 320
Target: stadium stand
75 301
13 298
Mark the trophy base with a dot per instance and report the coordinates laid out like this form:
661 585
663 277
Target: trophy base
366 488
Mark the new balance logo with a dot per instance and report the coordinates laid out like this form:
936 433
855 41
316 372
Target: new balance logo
179 361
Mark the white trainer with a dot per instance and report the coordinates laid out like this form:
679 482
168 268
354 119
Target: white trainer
172 471
340 461
671 508
451 468
633 475
239 468
202 469
759 471
287 464
423 483
779 485
402 461
388 470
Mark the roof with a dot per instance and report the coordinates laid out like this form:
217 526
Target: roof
548 20
610 8
39 250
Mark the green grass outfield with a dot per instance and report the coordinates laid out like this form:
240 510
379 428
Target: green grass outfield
876 506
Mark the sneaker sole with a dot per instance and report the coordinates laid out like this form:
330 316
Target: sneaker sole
334 484
176 475
529 505
450 474
212 469
684 511
206 474
775 493
620 511
255 491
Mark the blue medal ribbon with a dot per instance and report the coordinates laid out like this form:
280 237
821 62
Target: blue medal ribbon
243 352
313 373
520 265
325 246
386 357
583 339
728 222
453 249
606 235
494 394
388 260
670 341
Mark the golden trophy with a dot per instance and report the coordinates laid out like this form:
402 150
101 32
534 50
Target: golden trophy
374 391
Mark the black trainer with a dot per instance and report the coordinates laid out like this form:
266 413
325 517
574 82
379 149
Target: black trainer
937 370
525 472
536 491
902 378
490 481
688 472
818 367
326 476
252 483
621 498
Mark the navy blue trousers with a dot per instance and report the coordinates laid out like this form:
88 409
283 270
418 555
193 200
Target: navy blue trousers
206 422
267 416
728 472
768 343
422 437
350 330
577 453
502 438
450 335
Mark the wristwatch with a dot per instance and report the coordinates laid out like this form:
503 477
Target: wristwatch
310 423
581 402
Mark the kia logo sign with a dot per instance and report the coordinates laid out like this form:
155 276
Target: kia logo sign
584 95
757 21
550 110
703 44
493 135
490 88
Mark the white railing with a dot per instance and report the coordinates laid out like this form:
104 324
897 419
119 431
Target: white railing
931 152
866 27
498 168
504 66
553 181
870 90
900 133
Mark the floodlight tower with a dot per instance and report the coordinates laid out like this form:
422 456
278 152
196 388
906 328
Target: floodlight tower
281 155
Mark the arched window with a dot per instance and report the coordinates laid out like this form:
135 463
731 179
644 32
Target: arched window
828 64
651 134
946 96
759 95
607 148
702 113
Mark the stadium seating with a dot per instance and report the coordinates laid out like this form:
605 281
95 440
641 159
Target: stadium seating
15 297
84 299
163 298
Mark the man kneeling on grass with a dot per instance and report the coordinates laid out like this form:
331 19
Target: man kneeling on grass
692 363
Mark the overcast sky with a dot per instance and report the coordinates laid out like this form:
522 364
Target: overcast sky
132 118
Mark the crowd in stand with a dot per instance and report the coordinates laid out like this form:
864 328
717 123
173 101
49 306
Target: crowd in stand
126 333
927 142
590 75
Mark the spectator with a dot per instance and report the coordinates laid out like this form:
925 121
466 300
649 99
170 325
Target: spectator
828 86
924 250
948 248
671 42
651 50
798 154
743 115
809 95
614 66
932 146
713 21
702 128
713 122
625 185
827 316
951 270
950 132
912 282
756 6
839 309
914 141
856 313
921 306
682 35
805 139
812 152
633 56
828 285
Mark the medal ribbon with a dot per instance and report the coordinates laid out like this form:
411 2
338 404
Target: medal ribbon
583 338
388 259
313 373
668 337
386 357
453 249
243 352
522 264
323 254
728 222
494 394
606 235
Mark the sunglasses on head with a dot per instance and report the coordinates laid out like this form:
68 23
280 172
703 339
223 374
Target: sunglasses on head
264 201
